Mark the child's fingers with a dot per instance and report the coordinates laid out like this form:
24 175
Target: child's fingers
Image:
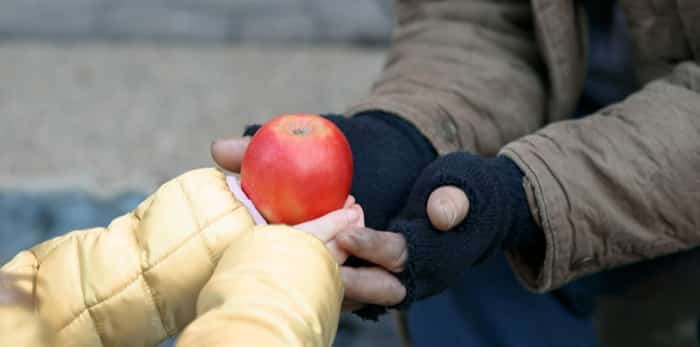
349 201
360 223
327 226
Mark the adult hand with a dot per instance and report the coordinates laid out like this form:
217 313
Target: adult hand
228 153
378 285
481 204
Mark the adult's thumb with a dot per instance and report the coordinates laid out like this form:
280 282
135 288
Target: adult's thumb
228 153
447 207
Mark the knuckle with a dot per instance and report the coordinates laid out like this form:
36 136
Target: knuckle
363 239
398 262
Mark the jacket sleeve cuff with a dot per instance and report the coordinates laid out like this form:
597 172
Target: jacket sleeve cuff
547 203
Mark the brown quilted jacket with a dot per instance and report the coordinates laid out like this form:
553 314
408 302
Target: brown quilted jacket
492 77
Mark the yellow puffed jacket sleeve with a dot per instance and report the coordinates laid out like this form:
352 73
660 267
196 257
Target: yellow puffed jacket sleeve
273 287
19 326
138 281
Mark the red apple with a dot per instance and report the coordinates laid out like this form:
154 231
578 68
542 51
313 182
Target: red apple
297 167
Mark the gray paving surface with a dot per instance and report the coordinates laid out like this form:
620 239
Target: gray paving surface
365 21
113 118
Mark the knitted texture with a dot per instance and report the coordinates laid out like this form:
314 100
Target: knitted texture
498 218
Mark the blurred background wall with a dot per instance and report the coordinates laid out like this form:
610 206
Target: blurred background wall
103 100
281 21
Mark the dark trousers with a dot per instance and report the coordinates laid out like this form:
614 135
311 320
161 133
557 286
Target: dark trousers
490 308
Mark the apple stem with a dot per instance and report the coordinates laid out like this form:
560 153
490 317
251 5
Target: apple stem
299 131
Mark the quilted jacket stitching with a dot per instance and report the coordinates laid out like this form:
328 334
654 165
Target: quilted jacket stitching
150 295
63 240
118 291
97 327
144 270
210 252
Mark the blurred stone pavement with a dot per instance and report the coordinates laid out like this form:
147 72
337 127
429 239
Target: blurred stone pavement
107 118
103 100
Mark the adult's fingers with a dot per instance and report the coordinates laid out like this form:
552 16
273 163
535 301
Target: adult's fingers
372 285
447 207
228 153
383 248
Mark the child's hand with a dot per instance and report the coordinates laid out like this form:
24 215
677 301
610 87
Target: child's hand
325 228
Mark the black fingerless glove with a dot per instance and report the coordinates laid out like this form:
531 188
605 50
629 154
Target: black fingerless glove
498 218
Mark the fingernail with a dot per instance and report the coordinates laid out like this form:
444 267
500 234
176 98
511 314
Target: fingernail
448 211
